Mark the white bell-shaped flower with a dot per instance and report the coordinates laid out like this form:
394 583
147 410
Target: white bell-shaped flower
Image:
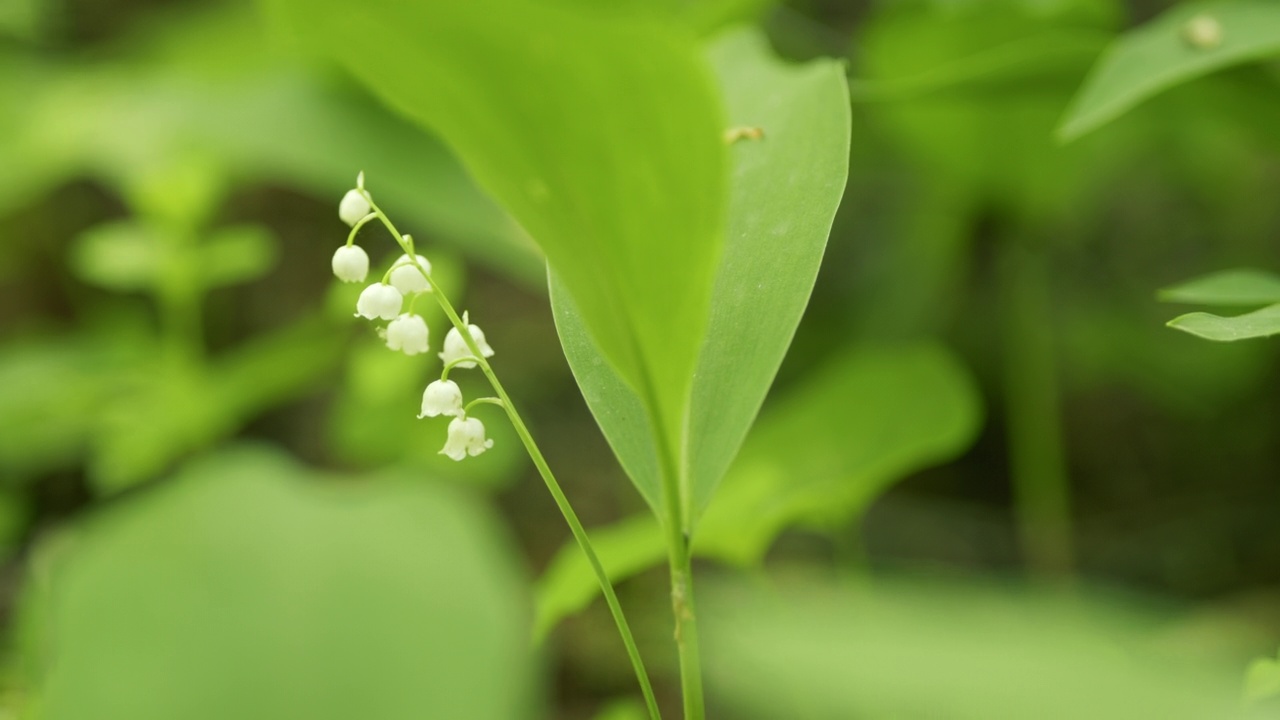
379 300
442 397
455 347
466 437
350 263
408 334
354 206
406 278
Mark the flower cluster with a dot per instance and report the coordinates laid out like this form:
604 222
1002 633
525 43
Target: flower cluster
410 277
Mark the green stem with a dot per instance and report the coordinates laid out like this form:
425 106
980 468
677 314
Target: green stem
680 560
1036 456
562 502
482 401
686 634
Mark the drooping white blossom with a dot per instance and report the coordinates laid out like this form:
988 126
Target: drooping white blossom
442 397
408 334
350 263
455 346
466 437
406 278
354 206
379 300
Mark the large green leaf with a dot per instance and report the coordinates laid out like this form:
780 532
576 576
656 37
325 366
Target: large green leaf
818 457
1163 53
1257 324
953 650
247 589
600 132
1229 287
784 193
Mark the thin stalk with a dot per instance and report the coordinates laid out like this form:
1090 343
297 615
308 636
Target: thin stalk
686 634
562 502
1036 456
680 560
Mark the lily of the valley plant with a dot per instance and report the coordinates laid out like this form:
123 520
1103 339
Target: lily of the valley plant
466 347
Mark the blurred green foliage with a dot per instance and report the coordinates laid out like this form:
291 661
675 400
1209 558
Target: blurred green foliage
246 587
818 457
914 650
166 218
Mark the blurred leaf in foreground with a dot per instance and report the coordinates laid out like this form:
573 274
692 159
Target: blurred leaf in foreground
952 650
248 588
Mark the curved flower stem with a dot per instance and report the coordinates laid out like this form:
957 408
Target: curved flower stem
444 374
351 237
482 401
562 502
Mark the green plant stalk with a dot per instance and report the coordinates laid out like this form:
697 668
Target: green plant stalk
1036 456
680 561
562 502
686 633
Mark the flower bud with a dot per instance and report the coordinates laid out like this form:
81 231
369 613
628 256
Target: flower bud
455 346
406 278
408 334
379 300
350 263
354 206
442 397
466 437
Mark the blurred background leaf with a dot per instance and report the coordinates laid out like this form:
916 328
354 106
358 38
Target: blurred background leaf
818 457
249 587
1262 680
1189 41
1229 287
924 649
1257 324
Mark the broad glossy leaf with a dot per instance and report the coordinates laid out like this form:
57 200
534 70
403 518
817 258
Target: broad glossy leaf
818 457
948 649
1229 287
250 588
1160 55
599 132
1257 324
785 190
